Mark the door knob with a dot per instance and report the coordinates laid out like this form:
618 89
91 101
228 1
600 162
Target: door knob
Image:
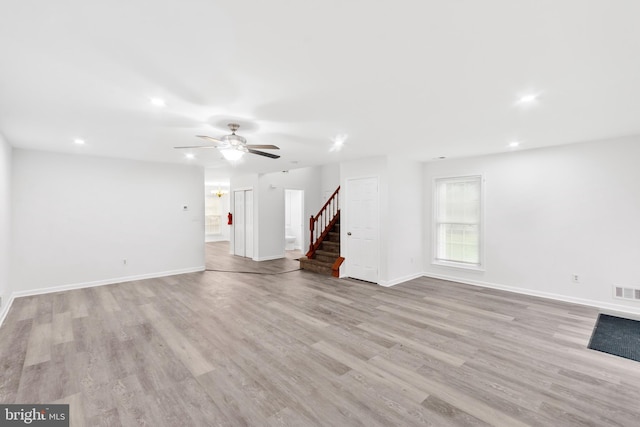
349 233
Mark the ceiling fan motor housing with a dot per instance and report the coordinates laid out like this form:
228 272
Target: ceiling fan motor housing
234 140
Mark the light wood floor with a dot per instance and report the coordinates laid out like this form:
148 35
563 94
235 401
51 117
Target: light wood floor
299 349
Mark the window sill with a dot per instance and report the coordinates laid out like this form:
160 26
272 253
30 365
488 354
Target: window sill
458 265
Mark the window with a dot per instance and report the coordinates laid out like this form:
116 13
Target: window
458 215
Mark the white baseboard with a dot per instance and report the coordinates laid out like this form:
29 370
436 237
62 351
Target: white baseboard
52 289
591 303
269 258
389 283
5 309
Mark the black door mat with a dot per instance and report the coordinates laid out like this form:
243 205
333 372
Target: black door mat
617 336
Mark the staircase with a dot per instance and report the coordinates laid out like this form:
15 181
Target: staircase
324 250
326 259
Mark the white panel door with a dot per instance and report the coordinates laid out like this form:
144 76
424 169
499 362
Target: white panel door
248 224
238 223
362 229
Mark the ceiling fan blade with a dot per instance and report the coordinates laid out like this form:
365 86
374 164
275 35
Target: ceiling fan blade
198 146
217 141
262 153
267 147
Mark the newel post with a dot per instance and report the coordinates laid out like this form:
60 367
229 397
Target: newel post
311 229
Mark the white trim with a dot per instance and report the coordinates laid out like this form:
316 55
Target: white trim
434 228
344 219
460 265
393 282
52 289
232 211
5 310
268 258
592 303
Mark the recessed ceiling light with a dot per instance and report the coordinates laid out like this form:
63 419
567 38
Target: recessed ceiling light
158 102
190 156
79 141
528 98
338 142
514 144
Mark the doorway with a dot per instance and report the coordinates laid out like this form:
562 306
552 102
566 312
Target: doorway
216 206
243 223
293 219
362 228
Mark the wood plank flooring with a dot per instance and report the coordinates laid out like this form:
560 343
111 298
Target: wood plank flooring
299 349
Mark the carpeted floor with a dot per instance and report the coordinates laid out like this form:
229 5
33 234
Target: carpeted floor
618 336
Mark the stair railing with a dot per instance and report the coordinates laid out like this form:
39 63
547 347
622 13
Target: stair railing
320 224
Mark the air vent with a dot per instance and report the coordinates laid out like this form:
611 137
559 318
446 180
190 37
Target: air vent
627 293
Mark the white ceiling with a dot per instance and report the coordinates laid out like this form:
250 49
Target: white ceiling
421 78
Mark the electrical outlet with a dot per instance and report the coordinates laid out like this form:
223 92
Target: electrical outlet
575 278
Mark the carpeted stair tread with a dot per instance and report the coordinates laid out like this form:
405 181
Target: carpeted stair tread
334 237
330 246
327 253
317 262
316 266
326 258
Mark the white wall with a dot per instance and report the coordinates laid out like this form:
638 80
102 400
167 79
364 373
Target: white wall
329 180
401 215
5 222
271 188
269 206
551 213
405 220
76 218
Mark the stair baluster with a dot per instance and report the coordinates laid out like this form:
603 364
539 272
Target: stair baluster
321 224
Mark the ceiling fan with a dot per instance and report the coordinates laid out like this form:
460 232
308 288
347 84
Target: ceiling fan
233 146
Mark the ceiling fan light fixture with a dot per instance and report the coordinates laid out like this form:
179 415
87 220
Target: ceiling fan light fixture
232 154
234 146
234 140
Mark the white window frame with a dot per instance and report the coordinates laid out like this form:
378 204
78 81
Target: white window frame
434 229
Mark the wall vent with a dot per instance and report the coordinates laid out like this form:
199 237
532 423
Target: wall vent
626 293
